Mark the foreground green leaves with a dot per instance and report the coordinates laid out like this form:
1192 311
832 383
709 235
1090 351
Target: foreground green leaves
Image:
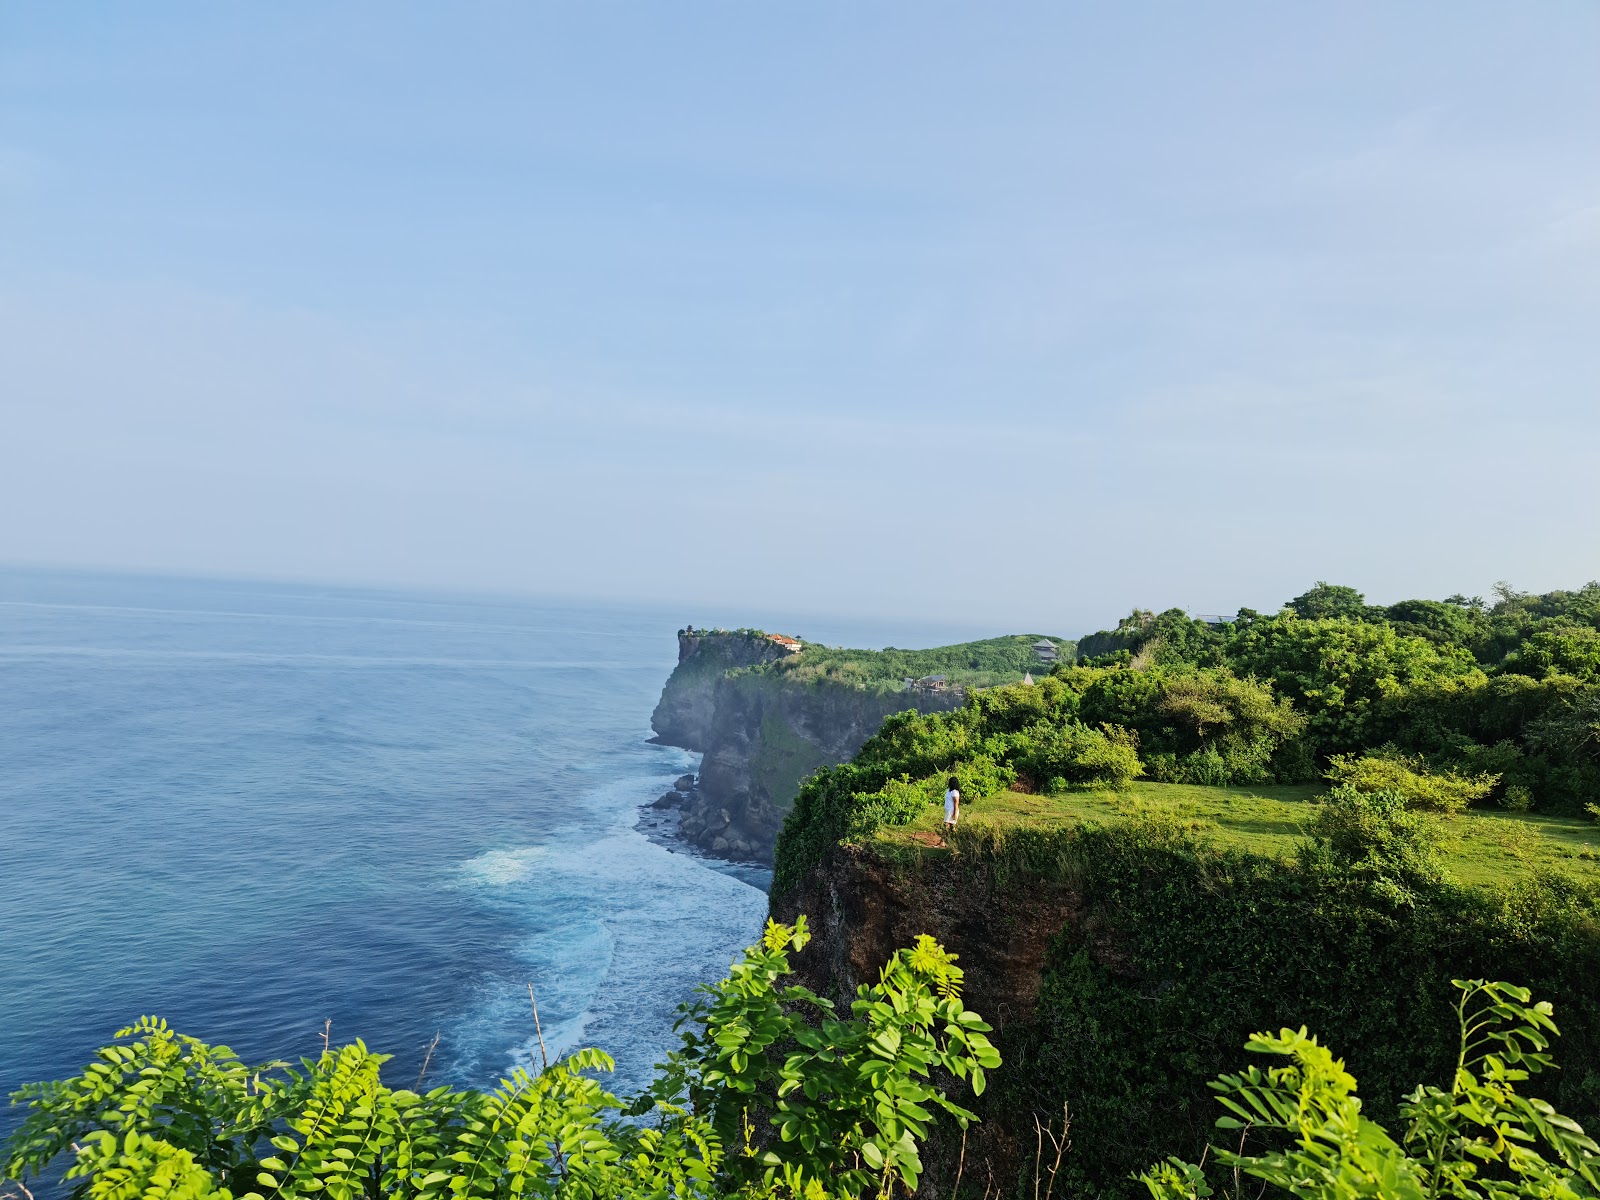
1481 1139
771 1096
853 1097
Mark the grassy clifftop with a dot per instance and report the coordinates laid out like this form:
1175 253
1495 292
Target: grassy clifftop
986 663
1482 848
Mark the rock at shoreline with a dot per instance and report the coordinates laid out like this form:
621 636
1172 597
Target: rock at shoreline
668 800
685 783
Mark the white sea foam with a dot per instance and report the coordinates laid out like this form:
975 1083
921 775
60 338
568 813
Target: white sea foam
497 868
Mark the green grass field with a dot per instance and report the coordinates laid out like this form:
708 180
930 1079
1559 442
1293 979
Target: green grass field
1486 847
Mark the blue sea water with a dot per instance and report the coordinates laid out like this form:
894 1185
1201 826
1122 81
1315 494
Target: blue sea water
252 809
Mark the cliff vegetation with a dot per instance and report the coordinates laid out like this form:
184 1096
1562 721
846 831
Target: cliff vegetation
766 712
1207 829
985 663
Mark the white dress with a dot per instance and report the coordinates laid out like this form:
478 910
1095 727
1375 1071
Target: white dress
950 799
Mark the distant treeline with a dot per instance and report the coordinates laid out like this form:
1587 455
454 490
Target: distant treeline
1509 689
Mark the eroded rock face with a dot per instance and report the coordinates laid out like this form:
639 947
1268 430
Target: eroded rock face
761 735
861 909
687 709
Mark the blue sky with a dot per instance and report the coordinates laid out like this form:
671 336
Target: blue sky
1011 315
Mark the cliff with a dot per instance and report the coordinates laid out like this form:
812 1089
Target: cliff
761 733
861 908
1123 967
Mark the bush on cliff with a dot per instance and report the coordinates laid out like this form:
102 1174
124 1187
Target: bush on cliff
1375 836
1408 777
1206 726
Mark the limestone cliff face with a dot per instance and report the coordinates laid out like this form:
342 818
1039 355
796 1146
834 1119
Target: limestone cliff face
686 712
761 735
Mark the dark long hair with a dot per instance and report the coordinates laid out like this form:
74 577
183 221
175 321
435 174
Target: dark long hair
955 784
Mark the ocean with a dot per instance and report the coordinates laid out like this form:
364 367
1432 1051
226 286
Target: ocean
253 809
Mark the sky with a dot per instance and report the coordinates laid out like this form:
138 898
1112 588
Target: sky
1010 315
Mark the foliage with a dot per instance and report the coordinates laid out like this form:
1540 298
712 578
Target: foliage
1337 671
1375 835
1480 1138
1194 726
1062 754
1164 639
851 1099
1517 798
1030 736
162 1115
1391 773
1445 622
1571 730
1562 649
983 663
1328 600
1471 687
1081 727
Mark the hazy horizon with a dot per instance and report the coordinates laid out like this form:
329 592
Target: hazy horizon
1011 320
861 630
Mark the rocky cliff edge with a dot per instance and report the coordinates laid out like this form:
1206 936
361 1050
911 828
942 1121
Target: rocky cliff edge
761 734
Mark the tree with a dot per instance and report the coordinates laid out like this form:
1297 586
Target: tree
1335 671
1329 600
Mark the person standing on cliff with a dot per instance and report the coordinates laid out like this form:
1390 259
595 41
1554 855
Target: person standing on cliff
952 803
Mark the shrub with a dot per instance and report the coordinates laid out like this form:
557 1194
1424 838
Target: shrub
896 803
977 777
1376 836
1517 798
1194 726
1075 753
1109 756
1389 772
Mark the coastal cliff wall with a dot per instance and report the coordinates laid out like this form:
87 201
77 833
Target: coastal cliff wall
1123 967
761 735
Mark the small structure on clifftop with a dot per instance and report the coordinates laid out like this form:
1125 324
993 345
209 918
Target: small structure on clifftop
1045 650
792 645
